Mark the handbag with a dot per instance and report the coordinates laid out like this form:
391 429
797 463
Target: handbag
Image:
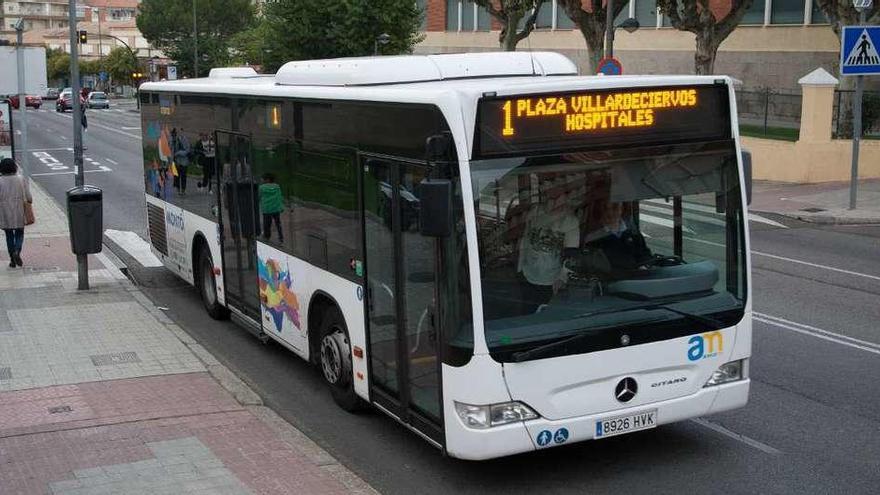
29 217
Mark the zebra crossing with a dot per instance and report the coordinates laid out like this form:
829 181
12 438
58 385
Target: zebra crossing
659 212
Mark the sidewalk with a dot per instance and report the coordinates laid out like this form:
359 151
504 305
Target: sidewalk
101 393
826 203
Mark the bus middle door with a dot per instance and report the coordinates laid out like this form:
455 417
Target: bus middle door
404 368
240 222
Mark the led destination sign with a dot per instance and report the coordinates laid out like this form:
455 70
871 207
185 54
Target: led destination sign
601 118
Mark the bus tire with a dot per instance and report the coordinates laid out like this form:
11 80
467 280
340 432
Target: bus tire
334 361
206 282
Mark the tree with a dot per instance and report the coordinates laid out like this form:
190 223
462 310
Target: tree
589 17
120 63
168 25
57 65
310 29
842 13
509 13
699 18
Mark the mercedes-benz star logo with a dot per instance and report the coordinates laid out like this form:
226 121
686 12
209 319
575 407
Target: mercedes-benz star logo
626 389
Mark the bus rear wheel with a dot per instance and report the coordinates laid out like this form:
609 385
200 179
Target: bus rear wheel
207 285
335 361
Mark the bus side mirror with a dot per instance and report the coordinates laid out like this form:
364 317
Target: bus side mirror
747 174
435 208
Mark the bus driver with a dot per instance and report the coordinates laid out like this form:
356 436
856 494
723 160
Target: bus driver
618 238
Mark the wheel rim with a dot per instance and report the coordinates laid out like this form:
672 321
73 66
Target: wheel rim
209 290
331 357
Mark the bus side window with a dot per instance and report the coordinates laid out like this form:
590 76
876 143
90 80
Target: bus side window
324 196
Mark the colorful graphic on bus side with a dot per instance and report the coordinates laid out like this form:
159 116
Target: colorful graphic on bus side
276 293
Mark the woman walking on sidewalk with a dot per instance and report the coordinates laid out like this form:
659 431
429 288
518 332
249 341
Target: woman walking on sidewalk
14 193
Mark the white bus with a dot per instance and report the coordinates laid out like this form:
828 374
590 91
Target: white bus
501 254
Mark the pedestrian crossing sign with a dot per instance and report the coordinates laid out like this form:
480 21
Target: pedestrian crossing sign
859 51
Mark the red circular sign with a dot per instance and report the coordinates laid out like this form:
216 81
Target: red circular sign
610 66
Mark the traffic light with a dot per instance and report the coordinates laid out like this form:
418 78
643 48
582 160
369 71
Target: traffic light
83 37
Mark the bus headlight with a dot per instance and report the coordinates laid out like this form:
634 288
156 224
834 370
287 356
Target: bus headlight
493 415
727 372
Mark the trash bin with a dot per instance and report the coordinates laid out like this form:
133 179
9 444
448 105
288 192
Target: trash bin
85 216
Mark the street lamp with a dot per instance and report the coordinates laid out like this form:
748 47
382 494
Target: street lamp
383 39
630 25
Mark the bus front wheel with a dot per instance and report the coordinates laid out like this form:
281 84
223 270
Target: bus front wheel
335 361
207 284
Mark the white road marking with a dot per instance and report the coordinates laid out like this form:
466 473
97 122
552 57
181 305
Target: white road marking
816 265
819 333
763 447
709 209
130 128
132 243
792 260
760 219
112 161
102 169
52 149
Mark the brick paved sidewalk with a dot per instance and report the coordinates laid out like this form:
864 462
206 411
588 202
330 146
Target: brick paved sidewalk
101 393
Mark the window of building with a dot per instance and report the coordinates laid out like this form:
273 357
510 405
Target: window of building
545 16
484 19
787 12
422 5
816 15
467 16
452 15
646 13
754 14
562 19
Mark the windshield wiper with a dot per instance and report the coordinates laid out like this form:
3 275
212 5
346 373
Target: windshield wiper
541 350
705 320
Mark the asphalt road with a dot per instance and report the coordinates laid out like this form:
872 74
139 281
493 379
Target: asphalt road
812 424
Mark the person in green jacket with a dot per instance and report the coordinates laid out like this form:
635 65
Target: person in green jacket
271 206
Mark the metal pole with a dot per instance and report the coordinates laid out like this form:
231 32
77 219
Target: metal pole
82 261
857 130
609 28
195 43
22 97
100 43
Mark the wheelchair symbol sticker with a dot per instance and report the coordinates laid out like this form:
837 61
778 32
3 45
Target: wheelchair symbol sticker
561 435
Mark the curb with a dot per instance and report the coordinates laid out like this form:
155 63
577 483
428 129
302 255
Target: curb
823 219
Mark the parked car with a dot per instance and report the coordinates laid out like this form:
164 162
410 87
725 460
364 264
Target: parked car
33 101
64 103
51 94
97 99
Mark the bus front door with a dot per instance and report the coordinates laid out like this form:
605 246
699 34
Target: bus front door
400 269
239 222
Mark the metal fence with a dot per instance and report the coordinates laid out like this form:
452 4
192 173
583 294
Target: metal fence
842 119
767 108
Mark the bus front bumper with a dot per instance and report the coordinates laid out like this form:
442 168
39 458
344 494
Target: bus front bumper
474 444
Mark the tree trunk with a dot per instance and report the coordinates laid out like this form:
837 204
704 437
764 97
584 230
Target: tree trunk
595 43
509 41
707 49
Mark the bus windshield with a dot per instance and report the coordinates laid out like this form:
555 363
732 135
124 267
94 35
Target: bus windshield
621 247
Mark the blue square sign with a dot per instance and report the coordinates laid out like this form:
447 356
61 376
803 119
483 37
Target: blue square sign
859 51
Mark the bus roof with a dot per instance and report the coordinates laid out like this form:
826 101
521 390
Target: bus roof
415 78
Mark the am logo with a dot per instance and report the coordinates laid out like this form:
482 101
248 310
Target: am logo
707 345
